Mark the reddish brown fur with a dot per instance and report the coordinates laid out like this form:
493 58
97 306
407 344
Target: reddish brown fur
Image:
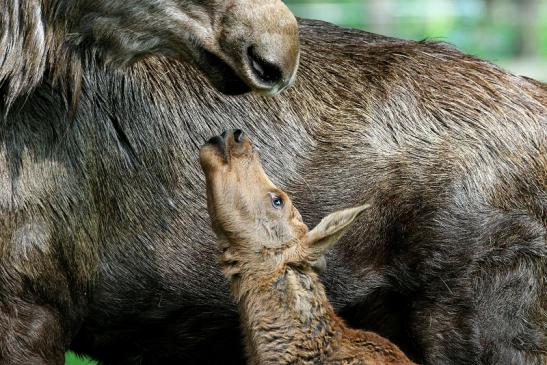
268 255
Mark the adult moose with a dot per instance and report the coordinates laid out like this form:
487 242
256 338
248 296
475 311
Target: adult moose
49 265
105 241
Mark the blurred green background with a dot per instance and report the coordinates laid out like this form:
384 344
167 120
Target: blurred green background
511 33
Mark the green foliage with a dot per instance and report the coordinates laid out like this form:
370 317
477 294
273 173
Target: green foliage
73 359
466 23
503 31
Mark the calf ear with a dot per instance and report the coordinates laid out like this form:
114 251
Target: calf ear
329 231
319 265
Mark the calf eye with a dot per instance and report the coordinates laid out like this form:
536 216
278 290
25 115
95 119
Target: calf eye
277 202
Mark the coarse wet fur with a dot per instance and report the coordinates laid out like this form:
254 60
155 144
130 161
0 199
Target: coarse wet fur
268 255
105 239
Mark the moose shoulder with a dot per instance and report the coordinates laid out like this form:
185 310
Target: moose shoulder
105 229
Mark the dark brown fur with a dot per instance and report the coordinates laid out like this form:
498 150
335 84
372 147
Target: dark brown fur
104 238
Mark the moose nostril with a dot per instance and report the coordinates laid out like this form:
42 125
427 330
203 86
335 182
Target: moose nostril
238 135
264 70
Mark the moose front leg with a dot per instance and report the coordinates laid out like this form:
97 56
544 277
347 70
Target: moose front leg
40 306
446 328
30 334
489 309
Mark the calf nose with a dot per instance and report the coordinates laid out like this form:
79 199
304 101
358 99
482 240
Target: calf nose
235 135
216 140
238 135
237 143
229 140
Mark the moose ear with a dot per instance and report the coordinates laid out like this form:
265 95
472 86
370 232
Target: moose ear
329 231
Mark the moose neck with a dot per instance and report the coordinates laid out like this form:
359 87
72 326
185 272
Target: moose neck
285 315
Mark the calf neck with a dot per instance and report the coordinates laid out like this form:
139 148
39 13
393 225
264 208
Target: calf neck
268 256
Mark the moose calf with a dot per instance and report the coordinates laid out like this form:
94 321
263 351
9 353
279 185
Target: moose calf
268 255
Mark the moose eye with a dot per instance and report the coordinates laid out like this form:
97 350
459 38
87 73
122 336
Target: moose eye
277 202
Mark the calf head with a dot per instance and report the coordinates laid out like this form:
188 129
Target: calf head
258 227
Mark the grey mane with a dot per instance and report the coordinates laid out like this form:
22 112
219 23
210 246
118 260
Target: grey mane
35 47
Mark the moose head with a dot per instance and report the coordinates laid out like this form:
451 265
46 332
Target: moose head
240 45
